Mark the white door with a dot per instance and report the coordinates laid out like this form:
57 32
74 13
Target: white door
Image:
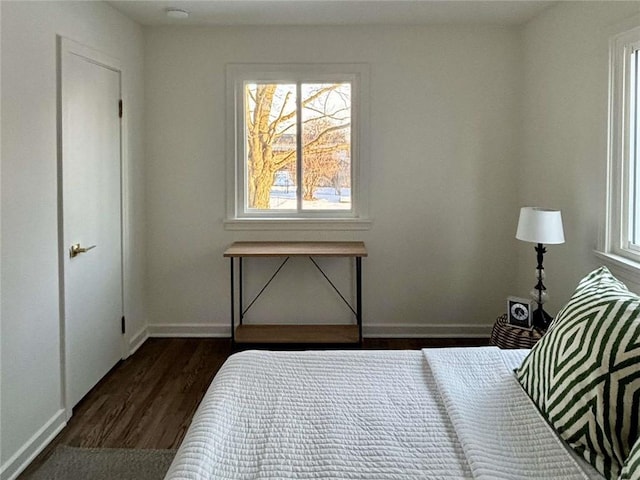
91 217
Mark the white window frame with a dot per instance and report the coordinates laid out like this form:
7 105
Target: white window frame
614 246
240 218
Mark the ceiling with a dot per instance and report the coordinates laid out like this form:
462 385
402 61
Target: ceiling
333 12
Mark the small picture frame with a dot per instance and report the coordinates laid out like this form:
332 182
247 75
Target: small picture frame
520 312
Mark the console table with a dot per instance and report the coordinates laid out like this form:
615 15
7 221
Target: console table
271 334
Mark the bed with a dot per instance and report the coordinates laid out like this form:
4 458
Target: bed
568 409
437 413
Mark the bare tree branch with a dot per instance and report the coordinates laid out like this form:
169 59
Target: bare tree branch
333 115
280 162
253 97
325 132
311 147
247 111
310 99
273 125
304 122
330 148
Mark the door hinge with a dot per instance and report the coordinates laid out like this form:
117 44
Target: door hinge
124 329
120 108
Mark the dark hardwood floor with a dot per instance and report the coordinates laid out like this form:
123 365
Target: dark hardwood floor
148 400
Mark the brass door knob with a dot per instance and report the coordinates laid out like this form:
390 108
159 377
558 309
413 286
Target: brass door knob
76 249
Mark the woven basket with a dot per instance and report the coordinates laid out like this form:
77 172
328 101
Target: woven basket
505 336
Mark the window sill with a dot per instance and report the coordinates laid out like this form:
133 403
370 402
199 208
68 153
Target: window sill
298 224
620 266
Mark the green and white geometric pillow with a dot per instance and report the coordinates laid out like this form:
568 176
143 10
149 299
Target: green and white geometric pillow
631 468
584 374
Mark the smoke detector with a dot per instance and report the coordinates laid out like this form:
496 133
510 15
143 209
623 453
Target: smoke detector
177 13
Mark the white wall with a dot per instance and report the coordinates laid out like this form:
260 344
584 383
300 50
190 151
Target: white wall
564 147
0 242
31 405
444 125
467 124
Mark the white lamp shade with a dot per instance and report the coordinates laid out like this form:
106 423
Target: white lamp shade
540 225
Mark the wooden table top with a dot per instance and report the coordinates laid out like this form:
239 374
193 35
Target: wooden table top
296 249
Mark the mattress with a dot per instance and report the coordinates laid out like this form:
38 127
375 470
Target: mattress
432 414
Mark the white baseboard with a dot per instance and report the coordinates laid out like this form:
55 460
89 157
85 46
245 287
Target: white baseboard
138 339
189 330
370 331
427 331
30 450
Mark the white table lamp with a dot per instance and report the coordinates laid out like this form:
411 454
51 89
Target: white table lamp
540 226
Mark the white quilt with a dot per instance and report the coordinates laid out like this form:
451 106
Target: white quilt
366 415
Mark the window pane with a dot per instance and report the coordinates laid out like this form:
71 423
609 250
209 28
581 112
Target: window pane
326 146
270 135
634 151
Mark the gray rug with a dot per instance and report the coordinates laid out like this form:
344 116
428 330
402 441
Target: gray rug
69 463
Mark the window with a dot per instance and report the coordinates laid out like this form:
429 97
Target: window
297 143
623 225
633 151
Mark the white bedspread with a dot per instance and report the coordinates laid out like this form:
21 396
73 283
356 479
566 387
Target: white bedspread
345 415
502 434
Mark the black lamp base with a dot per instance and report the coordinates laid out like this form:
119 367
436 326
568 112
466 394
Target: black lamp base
541 319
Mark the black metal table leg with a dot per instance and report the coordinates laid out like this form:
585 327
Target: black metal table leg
232 305
240 289
359 297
